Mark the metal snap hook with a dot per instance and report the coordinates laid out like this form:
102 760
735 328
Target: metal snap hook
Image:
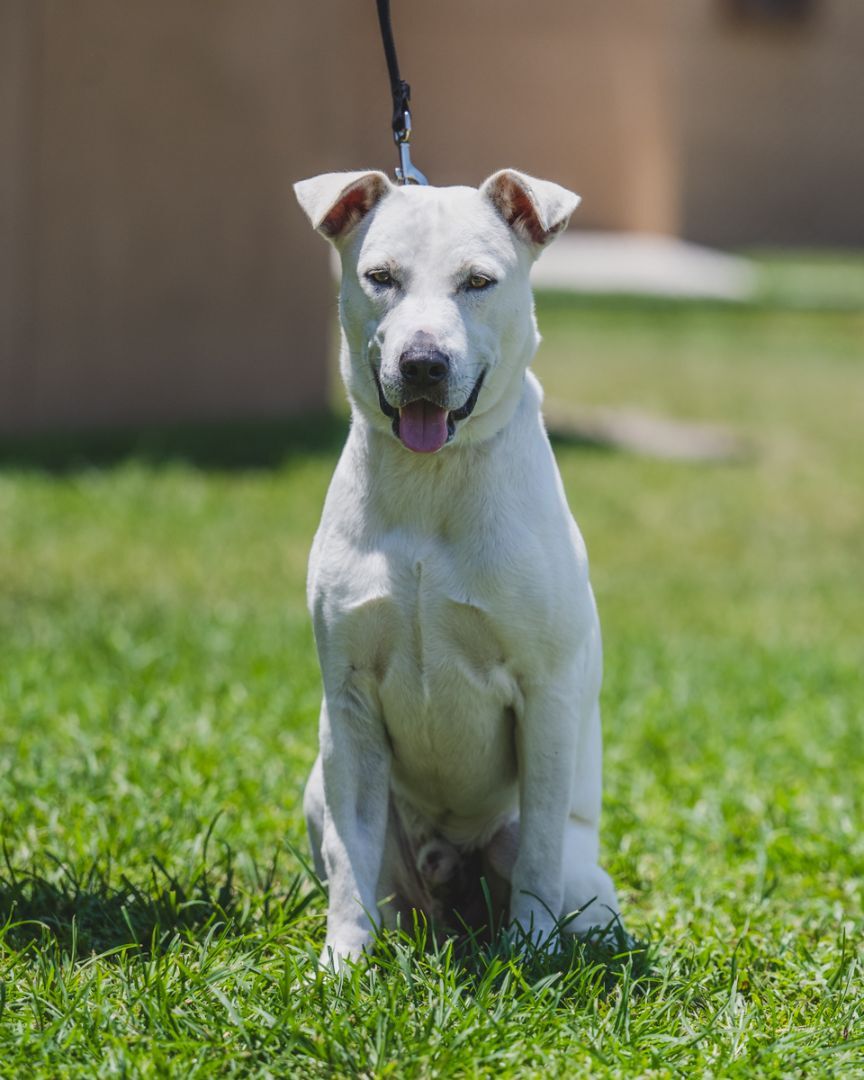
406 171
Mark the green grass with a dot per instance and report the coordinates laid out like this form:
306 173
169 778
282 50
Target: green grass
158 704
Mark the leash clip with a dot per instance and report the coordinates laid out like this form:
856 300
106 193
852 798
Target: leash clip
406 172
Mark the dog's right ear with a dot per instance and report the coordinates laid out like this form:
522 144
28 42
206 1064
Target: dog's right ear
336 202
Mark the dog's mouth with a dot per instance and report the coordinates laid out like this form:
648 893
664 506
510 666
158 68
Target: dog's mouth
423 426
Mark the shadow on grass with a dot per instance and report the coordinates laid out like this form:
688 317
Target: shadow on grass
224 447
85 915
586 441
605 960
216 446
89 914
780 294
640 305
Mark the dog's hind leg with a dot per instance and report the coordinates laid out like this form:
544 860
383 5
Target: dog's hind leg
588 889
313 810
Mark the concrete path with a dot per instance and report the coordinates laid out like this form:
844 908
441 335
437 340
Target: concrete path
641 263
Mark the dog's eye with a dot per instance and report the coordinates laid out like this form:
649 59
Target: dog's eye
380 277
479 281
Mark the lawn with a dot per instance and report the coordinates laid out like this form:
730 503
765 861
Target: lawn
158 706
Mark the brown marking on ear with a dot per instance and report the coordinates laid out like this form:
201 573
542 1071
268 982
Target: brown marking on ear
517 207
353 205
536 210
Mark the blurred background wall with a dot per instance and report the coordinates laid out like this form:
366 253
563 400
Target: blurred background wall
154 267
771 132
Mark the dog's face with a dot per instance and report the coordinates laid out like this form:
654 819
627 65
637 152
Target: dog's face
436 304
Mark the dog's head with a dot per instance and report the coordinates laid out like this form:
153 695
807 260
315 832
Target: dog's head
436 305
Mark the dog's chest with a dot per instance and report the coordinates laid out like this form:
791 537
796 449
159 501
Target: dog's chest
429 643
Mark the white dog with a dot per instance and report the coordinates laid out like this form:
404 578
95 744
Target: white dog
448 583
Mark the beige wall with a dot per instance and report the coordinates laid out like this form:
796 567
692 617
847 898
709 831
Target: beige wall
152 264
17 102
772 140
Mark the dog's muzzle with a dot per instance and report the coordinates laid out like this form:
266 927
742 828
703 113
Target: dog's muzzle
423 426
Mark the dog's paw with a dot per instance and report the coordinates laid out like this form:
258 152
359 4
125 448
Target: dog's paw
341 950
611 936
527 944
337 960
533 930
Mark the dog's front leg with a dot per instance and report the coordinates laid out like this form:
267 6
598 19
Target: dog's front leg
546 745
355 757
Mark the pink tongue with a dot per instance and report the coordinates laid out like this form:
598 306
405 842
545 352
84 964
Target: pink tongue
423 426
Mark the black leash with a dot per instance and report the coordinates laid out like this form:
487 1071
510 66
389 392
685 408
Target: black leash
406 173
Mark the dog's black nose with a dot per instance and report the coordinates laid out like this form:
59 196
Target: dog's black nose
423 367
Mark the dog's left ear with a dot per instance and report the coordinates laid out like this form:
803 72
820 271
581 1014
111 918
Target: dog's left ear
336 202
536 210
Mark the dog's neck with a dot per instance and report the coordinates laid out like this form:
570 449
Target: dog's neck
428 492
